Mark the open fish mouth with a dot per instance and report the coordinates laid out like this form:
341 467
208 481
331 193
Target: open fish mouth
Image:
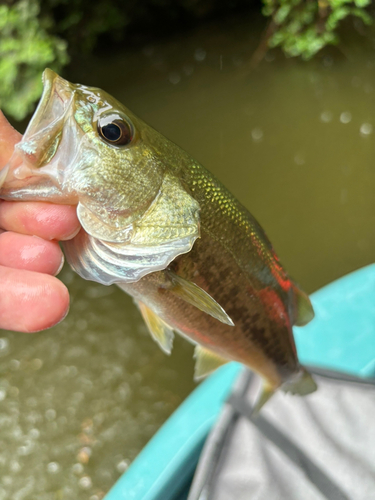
42 136
34 155
55 100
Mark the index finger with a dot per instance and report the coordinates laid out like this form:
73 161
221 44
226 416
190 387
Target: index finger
46 220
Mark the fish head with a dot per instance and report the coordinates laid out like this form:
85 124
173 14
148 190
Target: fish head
84 147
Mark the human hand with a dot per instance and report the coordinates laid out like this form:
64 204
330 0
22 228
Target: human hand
31 298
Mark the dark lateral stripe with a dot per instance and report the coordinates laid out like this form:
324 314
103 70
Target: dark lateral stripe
316 475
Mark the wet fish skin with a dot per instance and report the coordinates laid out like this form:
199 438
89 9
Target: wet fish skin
151 196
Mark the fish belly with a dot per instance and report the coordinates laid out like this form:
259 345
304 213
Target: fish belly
261 337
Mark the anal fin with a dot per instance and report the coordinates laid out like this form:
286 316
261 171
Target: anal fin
159 330
194 295
206 362
265 394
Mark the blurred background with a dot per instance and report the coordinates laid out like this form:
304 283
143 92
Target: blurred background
277 100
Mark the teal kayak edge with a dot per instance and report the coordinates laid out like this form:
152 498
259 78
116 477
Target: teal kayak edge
166 463
341 337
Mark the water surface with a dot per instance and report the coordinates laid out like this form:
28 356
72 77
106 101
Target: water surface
293 141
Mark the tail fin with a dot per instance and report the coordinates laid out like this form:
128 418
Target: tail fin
302 384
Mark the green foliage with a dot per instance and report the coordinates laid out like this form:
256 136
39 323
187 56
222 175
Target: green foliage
26 48
81 22
35 34
303 27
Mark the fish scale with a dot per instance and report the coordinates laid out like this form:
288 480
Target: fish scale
165 230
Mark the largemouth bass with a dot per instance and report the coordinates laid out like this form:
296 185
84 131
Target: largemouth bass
161 227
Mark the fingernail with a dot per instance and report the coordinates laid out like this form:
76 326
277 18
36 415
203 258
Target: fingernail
71 236
61 265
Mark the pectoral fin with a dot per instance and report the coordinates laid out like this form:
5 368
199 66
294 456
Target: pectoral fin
159 330
194 295
206 362
172 217
304 309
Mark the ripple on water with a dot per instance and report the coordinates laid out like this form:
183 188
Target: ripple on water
4 346
366 129
79 402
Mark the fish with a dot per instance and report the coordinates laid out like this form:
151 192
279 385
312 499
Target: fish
165 230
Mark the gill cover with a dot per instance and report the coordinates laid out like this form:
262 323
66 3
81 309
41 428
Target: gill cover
84 147
168 228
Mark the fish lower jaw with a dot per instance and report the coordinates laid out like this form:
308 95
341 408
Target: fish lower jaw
33 187
19 168
23 172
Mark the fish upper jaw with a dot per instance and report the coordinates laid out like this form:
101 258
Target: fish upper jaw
40 160
43 134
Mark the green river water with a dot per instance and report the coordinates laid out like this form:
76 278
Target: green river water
293 141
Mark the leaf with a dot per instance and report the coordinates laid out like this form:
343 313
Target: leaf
26 48
366 18
336 16
362 3
282 14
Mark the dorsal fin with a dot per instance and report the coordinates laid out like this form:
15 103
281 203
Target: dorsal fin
304 311
158 329
194 295
206 362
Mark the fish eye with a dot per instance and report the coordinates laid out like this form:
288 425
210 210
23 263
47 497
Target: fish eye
115 130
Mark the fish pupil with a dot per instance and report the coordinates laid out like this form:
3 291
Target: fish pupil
112 132
117 132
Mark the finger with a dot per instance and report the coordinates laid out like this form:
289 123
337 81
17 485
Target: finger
30 253
8 138
31 301
51 222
